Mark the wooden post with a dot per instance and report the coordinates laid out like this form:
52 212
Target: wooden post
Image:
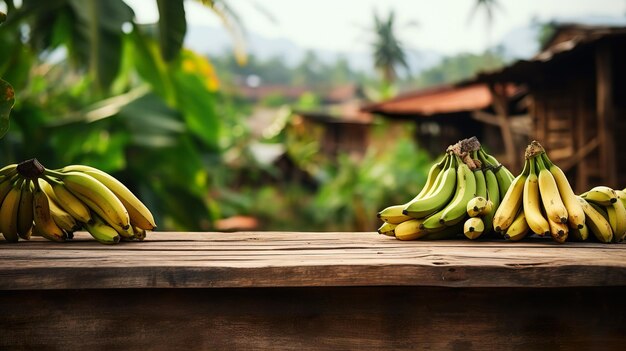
605 113
498 93
580 126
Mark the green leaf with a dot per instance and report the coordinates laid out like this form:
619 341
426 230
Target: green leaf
172 27
99 33
7 99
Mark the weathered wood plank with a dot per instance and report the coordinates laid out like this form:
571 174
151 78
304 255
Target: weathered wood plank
360 318
283 259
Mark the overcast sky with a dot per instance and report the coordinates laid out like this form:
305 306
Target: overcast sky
441 25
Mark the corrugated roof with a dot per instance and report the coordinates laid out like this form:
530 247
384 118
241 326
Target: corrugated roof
438 100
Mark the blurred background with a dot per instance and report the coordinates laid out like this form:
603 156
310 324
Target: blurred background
308 116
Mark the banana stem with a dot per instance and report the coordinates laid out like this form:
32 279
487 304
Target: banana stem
540 163
56 174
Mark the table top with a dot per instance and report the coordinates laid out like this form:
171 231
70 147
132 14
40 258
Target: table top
305 259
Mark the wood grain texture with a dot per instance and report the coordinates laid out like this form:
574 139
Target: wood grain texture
357 318
285 259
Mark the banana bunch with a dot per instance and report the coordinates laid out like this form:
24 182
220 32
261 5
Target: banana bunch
540 201
465 175
605 212
55 203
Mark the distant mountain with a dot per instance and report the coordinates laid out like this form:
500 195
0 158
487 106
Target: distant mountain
519 43
216 41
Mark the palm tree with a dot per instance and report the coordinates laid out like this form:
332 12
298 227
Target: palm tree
388 50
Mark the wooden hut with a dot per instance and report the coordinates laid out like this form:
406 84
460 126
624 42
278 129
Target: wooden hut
445 114
576 90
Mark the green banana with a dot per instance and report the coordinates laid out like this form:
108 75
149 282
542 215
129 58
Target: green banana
438 199
456 211
493 196
393 214
473 228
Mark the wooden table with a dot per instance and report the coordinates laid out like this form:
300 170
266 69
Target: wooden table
303 291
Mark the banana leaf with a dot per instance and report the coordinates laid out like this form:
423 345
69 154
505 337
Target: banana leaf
7 99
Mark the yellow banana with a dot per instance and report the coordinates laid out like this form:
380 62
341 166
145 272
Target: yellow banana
140 234
601 195
97 197
473 227
102 231
431 179
558 231
409 230
518 229
532 206
456 211
477 206
438 198
575 213
8 169
511 203
25 211
393 214
8 213
598 225
63 219
386 229
579 234
44 224
617 220
550 195
57 191
139 214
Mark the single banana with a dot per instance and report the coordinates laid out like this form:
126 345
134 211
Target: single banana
140 234
532 204
8 213
57 191
431 188
409 230
477 206
438 199
431 179
493 196
558 231
456 210
511 202
503 175
579 234
62 218
5 187
393 214
8 169
518 229
25 211
44 224
385 229
601 195
445 234
98 198
550 195
139 214
617 220
473 227
598 225
433 222
102 232
575 213
481 182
